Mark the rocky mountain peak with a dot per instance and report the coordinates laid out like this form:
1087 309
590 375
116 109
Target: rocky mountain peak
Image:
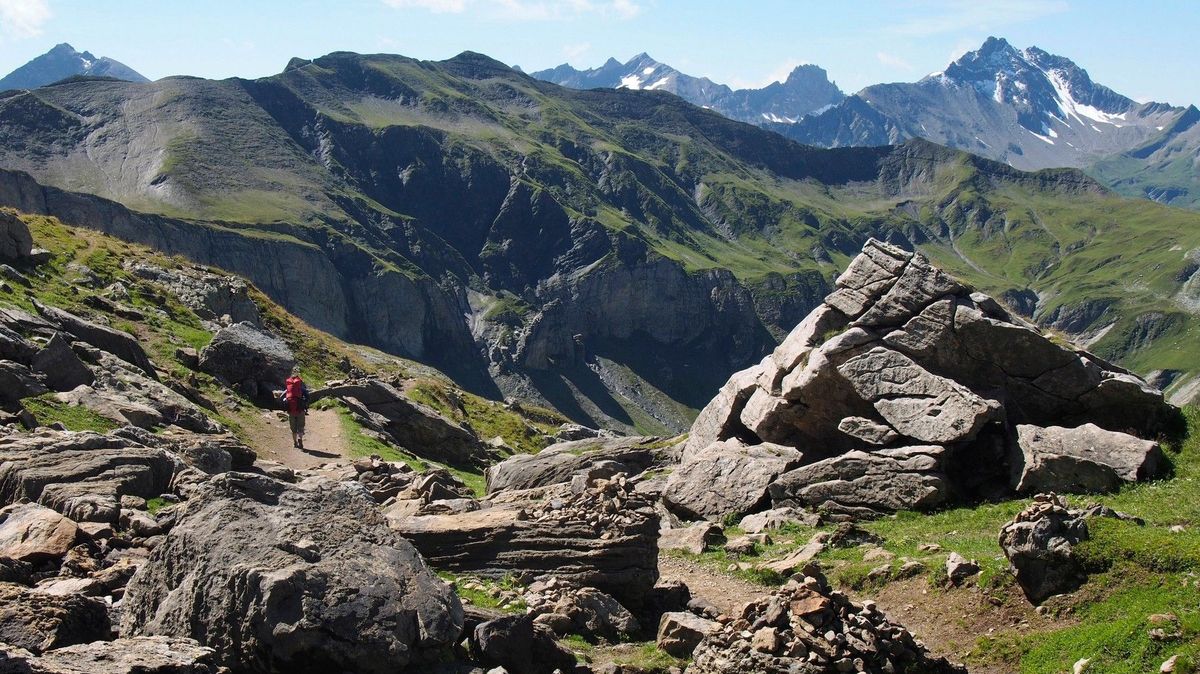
63 61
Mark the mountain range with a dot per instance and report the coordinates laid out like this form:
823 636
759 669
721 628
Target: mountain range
62 62
615 254
1027 108
805 91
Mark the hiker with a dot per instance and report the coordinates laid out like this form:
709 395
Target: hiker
295 396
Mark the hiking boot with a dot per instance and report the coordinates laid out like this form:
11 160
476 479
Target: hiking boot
300 443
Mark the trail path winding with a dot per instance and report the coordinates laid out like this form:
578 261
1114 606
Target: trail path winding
324 439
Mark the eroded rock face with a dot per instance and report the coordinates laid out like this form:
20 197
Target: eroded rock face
15 240
210 295
39 621
33 533
82 475
603 537
138 655
903 384
292 578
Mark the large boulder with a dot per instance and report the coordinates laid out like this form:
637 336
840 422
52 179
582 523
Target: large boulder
858 482
303 578
728 477
516 644
137 655
17 382
679 632
82 475
16 242
559 462
807 628
416 427
60 366
39 621
1083 459
242 354
1039 544
903 357
211 295
34 533
603 537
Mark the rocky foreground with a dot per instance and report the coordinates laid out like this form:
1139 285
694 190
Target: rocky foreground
166 545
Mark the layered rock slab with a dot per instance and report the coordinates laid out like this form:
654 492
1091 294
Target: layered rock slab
304 578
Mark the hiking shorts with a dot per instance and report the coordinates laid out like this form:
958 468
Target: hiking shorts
296 422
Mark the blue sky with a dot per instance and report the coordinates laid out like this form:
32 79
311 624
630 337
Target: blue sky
1145 50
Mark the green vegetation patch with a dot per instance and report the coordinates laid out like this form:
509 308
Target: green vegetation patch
48 409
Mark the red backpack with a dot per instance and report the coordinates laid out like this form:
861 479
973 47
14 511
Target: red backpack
295 394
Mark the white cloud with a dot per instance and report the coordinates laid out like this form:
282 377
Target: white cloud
435 6
893 61
24 18
950 16
526 10
574 51
778 74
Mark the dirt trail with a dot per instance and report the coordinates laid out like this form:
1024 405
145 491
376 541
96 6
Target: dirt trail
725 592
324 439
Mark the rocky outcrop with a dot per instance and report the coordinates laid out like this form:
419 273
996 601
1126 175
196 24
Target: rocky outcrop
559 462
603 537
680 632
418 428
583 611
1039 544
211 295
516 644
138 655
300 578
40 621
904 383
33 533
82 475
121 344
1083 459
807 628
61 367
728 477
15 240
248 357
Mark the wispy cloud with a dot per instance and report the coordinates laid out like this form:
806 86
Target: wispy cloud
23 18
777 74
949 16
893 61
526 10
574 51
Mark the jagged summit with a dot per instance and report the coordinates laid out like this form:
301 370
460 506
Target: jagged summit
64 61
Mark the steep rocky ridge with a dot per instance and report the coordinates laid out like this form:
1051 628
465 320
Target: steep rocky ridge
511 224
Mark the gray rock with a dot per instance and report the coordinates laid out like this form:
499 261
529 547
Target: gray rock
62 369
416 427
244 355
1039 544
16 243
680 632
603 537
34 533
588 612
82 475
15 347
1083 459
17 382
727 477
120 344
557 463
694 539
720 418
959 568
39 621
209 294
278 577
138 655
918 404
778 518
903 478
516 644
870 432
